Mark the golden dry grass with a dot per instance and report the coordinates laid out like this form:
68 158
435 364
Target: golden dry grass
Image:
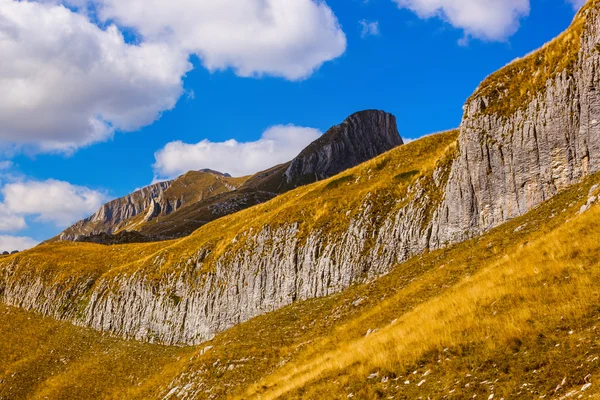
492 309
516 85
544 283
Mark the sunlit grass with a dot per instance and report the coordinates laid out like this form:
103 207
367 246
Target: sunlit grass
516 85
545 282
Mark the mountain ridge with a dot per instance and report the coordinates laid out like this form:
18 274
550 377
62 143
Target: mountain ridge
177 210
322 239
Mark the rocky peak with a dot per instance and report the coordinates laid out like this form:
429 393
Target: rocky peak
361 137
217 173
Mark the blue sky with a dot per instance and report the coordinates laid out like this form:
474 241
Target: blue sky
398 56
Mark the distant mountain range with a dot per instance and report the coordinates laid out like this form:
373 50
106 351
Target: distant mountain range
176 208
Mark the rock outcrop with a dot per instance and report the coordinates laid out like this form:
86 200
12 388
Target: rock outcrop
361 137
112 215
507 161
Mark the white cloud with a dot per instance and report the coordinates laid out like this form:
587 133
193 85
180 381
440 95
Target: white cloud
278 144
369 28
577 4
11 243
286 38
66 83
51 201
9 221
493 20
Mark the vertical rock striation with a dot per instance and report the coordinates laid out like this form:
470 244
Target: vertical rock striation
361 137
508 164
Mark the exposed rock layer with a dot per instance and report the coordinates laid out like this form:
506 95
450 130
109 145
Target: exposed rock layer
344 146
505 165
510 164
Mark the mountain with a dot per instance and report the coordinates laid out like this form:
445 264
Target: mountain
322 238
142 206
179 207
464 264
515 305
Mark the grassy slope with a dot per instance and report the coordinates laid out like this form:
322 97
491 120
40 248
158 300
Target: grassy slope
517 306
514 86
323 205
42 358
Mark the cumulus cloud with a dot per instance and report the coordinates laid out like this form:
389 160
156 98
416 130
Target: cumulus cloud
286 38
369 28
11 243
52 201
9 221
278 144
493 20
66 83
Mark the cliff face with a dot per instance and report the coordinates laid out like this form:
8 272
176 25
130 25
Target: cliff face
511 162
361 137
110 217
517 148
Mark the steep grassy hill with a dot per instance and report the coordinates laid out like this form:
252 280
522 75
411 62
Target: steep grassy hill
514 313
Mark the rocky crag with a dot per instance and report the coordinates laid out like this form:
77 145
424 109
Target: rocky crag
528 132
343 147
134 211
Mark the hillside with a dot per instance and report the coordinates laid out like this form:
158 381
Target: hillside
512 313
185 291
461 265
320 239
177 208
145 205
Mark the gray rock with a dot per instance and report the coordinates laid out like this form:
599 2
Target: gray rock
504 167
110 216
361 137
508 165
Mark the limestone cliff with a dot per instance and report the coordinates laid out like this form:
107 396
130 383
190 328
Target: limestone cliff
361 137
528 132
